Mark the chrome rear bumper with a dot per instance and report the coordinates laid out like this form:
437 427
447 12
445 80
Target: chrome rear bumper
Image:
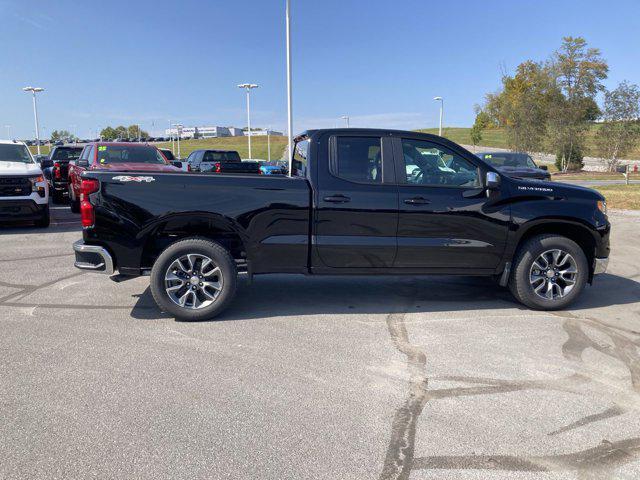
600 265
92 257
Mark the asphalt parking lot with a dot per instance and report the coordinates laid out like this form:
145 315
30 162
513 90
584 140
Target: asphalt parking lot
322 378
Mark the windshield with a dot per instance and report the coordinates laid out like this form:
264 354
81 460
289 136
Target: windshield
125 154
66 153
508 159
14 153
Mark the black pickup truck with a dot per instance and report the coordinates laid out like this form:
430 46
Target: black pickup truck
359 202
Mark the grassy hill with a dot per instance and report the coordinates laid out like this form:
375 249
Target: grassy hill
258 146
496 137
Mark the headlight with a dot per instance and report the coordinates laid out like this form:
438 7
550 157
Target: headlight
602 206
37 184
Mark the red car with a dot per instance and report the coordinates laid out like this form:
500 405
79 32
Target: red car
119 157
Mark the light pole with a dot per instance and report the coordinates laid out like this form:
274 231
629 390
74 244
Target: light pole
35 90
179 134
441 100
248 87
8 127
289 89
346 117
173 148
269 144
74 129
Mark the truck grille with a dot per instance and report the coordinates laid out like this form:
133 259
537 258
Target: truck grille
15 186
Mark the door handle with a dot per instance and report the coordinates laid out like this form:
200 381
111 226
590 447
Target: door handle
417 201
337 199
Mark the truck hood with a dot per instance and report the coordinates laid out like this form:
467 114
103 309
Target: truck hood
555 189
19 169
524 172
137 167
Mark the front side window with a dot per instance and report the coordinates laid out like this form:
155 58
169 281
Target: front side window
359 159
430 164
12 152
300 158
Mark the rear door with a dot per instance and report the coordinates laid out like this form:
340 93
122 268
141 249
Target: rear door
356 213
445 219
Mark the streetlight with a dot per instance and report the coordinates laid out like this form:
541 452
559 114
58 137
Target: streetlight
248 87
179 134
346 117
269 144
440 99
289 90
74 132
8 127
35 90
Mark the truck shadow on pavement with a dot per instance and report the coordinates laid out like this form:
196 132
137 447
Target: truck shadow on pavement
291 295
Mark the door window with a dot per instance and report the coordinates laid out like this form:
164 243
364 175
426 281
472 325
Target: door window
358 159
430 164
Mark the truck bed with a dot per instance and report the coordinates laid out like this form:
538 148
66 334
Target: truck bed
137 213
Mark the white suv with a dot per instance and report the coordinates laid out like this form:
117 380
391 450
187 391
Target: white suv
24 193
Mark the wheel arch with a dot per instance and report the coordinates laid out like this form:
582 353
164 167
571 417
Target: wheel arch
175 227
580 233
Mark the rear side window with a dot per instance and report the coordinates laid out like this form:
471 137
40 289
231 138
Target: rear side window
358 159
300 162
66 153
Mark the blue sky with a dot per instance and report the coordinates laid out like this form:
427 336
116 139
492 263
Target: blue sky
380 62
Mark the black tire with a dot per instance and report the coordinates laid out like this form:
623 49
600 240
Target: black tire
523 266
74 203
57 196
219 255
45 220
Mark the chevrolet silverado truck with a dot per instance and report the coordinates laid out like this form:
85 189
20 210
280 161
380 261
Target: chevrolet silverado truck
350 207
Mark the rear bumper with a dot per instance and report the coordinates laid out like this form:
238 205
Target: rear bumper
600 265
92 257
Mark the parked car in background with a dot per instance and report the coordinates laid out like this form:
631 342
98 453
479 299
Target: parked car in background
117 157
220 161
182 165
516 164
347 210
273 167
24 192
60 157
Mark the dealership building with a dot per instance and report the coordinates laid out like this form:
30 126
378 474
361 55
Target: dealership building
215 132
204 132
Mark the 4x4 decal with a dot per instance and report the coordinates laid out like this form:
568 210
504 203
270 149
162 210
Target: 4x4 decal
129 178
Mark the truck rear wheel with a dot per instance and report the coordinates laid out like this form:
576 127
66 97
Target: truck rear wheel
550 272
194 279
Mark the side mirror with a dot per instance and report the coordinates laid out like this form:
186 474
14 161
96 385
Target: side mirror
492 181
82 163
543 167
46 163
177 163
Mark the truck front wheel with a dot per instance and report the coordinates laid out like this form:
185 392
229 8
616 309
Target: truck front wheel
550 272
194 279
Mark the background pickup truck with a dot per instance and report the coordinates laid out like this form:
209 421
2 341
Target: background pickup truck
354 205
220 161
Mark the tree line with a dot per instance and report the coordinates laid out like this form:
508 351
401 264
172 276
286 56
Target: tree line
132 131
551 105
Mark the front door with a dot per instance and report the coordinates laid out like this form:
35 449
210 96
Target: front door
356 217
445 220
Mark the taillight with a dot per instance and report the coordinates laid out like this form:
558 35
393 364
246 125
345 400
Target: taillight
56 171
87 215
217 167
188 167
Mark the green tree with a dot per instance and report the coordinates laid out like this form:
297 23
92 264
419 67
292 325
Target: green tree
578 72
620 130
483 121
63 135
121 132
108 134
